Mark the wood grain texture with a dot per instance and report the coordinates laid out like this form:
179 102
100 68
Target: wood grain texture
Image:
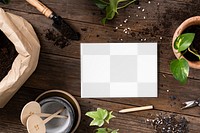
60 68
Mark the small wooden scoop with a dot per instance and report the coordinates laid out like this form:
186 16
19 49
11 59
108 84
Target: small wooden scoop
34 108
36 125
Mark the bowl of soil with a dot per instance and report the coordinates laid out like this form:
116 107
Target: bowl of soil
191 25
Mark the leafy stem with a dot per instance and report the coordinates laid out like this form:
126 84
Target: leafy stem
194 53
126 4
182 54
111 7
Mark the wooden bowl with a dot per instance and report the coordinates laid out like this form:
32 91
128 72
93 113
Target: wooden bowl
69 98
187 23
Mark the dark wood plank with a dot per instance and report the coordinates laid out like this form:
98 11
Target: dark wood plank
131 122
67 73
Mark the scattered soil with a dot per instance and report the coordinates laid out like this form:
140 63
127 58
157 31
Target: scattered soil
195 46
169 124
59 40
7 55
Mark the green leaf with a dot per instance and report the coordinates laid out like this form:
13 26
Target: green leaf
106 130
114 5
110 13
101 130
111 10
97 122
183 41
101 4
98 117
115 131
110 116
180 70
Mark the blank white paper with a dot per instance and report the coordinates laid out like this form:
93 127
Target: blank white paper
118 70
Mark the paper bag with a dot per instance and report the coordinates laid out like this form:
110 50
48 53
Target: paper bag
23 36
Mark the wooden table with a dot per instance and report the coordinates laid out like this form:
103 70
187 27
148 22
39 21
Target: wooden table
60 68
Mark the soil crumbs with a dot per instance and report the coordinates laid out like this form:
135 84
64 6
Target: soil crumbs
7 55
169 124
59 40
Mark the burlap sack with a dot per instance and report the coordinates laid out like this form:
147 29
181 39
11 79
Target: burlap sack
22 35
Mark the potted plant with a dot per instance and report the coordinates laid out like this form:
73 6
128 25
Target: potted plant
185 45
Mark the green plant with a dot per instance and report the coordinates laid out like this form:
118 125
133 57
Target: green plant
5 1
99 118
111 7
180 67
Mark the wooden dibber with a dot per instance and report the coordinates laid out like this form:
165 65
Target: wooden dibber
32 108
136 109
36 125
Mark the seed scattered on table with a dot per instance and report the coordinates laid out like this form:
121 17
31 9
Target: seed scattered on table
125 21
164 75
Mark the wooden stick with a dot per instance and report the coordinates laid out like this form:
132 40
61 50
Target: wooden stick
53 115
136 109
47 115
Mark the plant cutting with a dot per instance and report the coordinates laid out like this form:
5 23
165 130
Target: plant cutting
111 7
100 117
186 48
180 67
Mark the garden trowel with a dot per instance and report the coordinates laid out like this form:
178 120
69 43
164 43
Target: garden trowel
60 24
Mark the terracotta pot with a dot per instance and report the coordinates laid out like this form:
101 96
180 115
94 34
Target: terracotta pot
187 23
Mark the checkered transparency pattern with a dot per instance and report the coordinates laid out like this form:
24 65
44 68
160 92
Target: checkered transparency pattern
118 70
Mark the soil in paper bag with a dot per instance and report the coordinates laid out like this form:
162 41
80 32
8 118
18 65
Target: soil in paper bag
7 55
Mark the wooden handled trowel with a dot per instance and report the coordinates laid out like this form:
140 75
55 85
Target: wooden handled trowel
60 24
